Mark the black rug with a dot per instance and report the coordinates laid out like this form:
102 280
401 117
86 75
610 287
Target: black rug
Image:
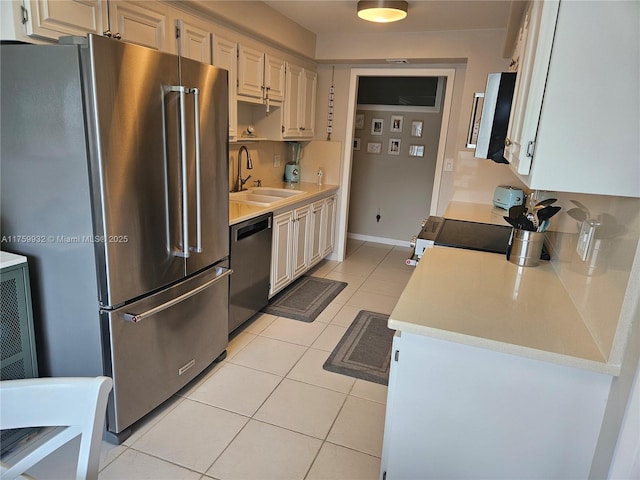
365 349
305 298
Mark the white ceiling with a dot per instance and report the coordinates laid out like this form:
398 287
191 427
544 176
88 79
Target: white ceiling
332 16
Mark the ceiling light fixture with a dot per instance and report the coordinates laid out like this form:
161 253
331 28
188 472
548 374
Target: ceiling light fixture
382 11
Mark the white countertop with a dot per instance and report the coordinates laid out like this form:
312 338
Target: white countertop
481 299
239 212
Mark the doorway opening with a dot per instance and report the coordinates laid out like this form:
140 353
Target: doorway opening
391 175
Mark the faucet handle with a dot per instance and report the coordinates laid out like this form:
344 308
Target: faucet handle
258 183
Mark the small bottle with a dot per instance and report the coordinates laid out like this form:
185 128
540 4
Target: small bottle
319 176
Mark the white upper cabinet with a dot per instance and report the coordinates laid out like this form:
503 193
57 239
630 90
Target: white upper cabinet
225 56
51 19
274 68
575 117
146 23
260 77
193 42
308 106
300 102
250 74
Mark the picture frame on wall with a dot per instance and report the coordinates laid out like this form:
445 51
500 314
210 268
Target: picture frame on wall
374 147
416 128
416 150
377 125
356 144
359 120
394 146
396 123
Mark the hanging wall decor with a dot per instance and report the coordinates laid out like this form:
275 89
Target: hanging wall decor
396 123
416 128
332 91
394 146
376 126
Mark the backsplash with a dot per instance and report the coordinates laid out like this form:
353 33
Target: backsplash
597 285
315 154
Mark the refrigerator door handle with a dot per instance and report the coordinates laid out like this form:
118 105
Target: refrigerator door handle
138 317
182 91
196 129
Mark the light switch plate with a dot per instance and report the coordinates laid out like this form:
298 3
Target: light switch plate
276 160
448 165
584 238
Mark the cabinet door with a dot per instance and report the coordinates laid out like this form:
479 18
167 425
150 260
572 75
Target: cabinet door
308 103
292 120
329 225
533 65
281 252
301 226
141 25
316 234
274 78
193 42
250 74
225 56
55 18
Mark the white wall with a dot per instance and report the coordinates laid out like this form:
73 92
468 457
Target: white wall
472 54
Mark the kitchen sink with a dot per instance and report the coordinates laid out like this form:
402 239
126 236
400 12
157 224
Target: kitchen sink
263 196
276 192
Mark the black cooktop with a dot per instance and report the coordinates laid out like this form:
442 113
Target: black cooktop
474 236
484 237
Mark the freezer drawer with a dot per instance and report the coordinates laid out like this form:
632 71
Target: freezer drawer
158 344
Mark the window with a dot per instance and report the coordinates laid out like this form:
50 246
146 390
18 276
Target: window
419 93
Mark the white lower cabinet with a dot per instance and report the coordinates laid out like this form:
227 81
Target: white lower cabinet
301 238
315 232
281 252
457 411
328 229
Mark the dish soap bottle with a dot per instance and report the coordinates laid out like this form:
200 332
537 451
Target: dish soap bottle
319 174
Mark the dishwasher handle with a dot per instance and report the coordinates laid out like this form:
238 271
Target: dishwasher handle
251 228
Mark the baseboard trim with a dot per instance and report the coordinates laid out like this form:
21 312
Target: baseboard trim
383 240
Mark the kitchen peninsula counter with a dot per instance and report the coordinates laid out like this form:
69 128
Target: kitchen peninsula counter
494 373
481 299
239 212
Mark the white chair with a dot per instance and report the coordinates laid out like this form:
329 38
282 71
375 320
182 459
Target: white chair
79 404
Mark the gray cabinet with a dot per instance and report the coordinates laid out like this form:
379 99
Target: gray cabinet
17 341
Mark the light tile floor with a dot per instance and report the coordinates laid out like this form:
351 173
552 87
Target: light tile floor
269 411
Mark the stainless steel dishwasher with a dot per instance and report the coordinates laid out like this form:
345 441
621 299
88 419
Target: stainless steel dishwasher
250 260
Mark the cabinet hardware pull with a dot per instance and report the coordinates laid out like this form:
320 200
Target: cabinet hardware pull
135 318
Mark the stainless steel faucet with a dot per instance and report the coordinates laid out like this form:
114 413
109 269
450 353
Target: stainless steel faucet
239 186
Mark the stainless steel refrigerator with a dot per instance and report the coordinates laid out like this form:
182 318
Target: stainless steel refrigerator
114 171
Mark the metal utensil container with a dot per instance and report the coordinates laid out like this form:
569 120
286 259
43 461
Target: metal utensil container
526 247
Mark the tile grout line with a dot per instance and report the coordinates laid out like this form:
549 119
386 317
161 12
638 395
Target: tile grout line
252 417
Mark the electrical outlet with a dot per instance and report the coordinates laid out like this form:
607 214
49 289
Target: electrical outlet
584 238
276 160
448 164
